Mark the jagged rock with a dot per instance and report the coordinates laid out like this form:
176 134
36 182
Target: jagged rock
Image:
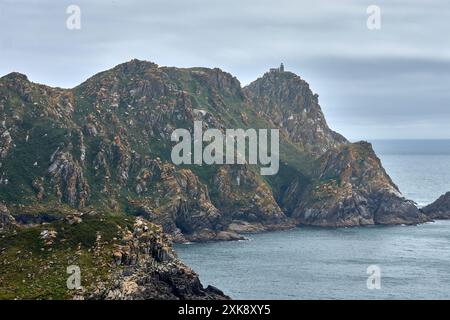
5 142
38 185
7 221
67 177
48 236
287 100
228 236
74 218
440 209
154 272
353 189
246 197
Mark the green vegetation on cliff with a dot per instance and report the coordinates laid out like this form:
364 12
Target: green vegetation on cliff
102 151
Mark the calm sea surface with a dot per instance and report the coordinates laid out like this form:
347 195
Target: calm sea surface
313 263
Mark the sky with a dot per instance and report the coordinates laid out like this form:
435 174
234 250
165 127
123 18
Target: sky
388 83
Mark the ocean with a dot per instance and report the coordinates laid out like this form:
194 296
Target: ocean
315 263
420 168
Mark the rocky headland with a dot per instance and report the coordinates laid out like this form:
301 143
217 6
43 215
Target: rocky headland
99 153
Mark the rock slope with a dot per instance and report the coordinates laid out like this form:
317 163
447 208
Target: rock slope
347 186
440 209
118 257
7 221
106 143
353 189
289 103
103 149
148 269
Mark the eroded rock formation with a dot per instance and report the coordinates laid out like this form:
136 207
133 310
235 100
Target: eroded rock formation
102 149
440 209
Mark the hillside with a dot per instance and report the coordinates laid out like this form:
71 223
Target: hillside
102 150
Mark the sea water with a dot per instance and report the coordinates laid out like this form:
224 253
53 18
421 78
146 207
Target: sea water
317 263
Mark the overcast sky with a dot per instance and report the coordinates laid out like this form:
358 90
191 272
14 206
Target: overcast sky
387 83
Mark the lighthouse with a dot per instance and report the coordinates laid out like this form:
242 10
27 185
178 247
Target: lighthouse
280 69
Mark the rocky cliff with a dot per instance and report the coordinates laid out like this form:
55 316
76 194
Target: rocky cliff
352 189
104 146
106 143
347 185
288 102
7 221
440 209
148 269
117 257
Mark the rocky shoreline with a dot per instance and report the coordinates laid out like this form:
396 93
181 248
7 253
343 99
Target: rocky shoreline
150 270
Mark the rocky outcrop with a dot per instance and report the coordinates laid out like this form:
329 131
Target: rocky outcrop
288 101
68 180
352 189
119 257
150 270
440 209
179 202
7 221
246 196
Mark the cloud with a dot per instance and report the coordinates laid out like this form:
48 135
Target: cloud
372 84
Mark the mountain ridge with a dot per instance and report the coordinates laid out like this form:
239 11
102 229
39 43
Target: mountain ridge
279 99
102 150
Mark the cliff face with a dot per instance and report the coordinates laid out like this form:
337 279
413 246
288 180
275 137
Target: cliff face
351 189
6 220
106 143
348 185
117 257
104 147
289 103
440 209
148 269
